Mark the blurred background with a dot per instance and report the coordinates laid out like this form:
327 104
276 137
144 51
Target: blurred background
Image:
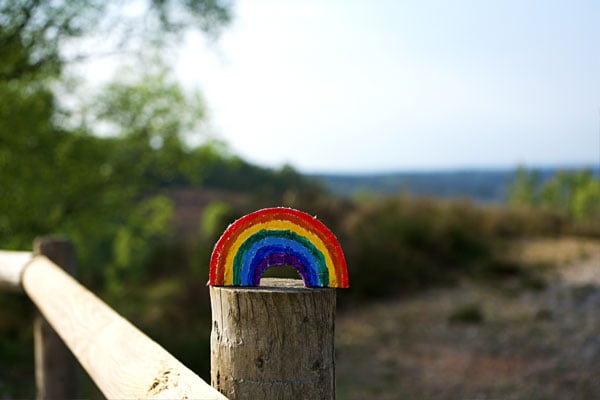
452 147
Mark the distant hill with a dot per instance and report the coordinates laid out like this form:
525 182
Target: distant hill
482 186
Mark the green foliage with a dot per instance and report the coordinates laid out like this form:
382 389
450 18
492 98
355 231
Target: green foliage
573 193
102 192
586 199
152 115
33 31
223 171
208 15
148 224
215 218
92 189
400 244
149 105
467 314
524 190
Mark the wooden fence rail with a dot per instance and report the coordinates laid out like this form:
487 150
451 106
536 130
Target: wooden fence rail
12 264
270 342
120 359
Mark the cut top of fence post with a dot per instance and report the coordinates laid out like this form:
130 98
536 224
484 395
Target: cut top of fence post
59 250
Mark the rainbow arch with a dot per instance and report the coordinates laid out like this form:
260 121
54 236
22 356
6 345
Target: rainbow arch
274 237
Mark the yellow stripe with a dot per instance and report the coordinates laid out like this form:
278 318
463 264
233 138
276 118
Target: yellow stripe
278 225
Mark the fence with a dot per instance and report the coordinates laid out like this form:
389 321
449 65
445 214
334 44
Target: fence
273 342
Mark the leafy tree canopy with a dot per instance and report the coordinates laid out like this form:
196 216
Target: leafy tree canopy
58 179
573 193
33 31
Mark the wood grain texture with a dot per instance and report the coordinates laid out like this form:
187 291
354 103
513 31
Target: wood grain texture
273 342
55 366
12 264
121 360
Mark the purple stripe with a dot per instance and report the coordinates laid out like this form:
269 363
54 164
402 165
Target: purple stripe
278 260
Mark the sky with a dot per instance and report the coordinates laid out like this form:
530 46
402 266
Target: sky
367 86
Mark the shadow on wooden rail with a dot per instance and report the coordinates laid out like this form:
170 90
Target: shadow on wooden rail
120 359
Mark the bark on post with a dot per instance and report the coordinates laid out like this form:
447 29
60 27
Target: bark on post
275 341
55 368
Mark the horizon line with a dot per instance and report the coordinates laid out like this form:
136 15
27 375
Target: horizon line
594 167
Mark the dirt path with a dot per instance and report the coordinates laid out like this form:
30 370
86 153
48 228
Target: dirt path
585 272
528 344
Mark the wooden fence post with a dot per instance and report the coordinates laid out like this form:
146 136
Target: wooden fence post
275 341
55 373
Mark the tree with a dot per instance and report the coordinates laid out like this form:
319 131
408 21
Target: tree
572 193
523 191
34 31
58 179
153 115
586 200
62 178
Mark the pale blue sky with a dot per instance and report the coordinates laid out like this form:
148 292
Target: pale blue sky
396 85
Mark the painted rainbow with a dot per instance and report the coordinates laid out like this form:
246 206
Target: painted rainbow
275 237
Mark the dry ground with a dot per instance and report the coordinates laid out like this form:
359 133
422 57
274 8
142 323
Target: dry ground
521 343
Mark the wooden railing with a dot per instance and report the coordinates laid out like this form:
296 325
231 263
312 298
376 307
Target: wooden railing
120 359
271 342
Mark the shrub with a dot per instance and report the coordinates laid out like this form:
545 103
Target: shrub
467 314
402 244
